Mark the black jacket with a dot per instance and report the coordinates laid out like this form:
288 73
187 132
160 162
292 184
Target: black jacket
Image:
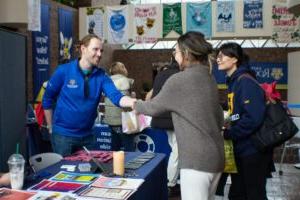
163 121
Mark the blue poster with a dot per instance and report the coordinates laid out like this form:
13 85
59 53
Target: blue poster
198 18
149 140
41 51
65 30
226 16
266 72
253 14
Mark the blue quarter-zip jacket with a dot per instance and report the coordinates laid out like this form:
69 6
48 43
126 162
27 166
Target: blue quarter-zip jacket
246 102
75 112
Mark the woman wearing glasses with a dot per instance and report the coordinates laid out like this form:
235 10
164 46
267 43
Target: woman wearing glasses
192 98
246 105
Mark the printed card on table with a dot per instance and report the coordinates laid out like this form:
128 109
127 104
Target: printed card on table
118 183
43 195
9 194
108 193
48 185
74 177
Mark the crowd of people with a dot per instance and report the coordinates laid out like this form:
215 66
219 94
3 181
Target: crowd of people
193 120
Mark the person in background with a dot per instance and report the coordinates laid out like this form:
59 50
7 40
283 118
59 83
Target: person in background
76 87
246 105
191 96
4 179
112 117
164 121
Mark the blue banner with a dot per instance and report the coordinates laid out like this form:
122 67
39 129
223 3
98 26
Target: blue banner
65 30
226 16
253 17
266 72
41 51
198 18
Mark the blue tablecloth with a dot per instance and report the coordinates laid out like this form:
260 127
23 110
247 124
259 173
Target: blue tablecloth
154 173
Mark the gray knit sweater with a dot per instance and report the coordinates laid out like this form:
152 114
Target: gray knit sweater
192 98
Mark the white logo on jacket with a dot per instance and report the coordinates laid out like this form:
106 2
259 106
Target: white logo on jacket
235 117
72 84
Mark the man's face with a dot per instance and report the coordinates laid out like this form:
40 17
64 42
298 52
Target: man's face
92 53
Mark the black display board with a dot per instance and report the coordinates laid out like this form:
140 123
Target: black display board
13 55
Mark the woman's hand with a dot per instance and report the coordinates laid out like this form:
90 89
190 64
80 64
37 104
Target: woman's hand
127 102
5 179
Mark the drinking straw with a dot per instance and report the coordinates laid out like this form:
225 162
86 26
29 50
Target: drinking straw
17 148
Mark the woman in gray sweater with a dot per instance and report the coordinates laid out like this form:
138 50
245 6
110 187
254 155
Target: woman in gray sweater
192 98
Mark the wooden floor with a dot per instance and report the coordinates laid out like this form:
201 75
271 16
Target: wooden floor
284 187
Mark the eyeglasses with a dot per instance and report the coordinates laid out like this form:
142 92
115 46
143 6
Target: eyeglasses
220 56
174 52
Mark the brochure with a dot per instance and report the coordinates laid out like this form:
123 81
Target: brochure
118 183
9 194
109 193
48 185
74 177
42 195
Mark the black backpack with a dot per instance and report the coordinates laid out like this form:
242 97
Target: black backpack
277 126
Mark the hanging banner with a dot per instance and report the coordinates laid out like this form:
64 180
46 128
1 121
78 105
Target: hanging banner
253 14
146 23
65 30
198 18
172 18
41 51
117 20
285 24
226 16
95 21
34 15
266 72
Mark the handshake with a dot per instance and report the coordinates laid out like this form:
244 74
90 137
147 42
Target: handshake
128 102
133 122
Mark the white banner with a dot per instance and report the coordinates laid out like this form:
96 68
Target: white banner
95 21
117 20
146 18
34 15
285 24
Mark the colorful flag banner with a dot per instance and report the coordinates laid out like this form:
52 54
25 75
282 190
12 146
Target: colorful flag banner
34 15
253 14
172 18
65 30
41 51
199 18
117 20
146 23
226 16
285 24
95 21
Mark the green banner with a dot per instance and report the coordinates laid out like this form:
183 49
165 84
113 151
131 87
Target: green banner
172 18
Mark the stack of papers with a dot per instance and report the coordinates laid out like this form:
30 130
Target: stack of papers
78 186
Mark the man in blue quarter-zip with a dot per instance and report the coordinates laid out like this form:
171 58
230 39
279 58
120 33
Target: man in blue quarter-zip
76 87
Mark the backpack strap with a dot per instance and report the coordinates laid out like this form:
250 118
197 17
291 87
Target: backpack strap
250 77
268 99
